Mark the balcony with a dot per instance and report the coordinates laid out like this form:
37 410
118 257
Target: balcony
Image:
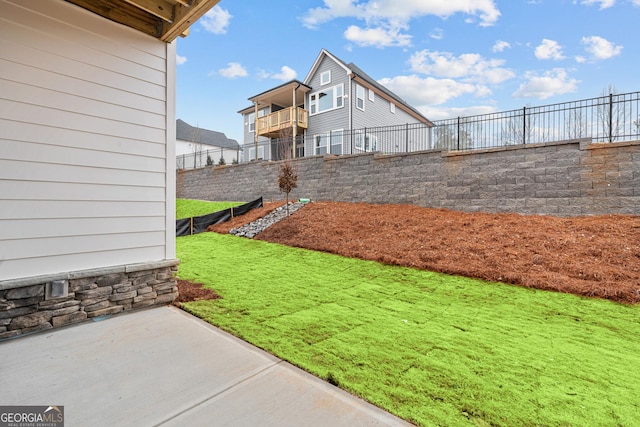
273 125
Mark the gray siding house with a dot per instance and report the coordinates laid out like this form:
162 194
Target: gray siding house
337 109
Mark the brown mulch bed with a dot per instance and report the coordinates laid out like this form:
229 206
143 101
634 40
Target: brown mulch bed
597 256
250 216
189 291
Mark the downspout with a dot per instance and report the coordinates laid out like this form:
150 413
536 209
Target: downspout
295 121
255 128
353 76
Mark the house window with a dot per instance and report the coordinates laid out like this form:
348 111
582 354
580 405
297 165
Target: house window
252 119
252 122
320 144
392 107
325 77
325 100
372 95
252 153
359 97
328 142
365 142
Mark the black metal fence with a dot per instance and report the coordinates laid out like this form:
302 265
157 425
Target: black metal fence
611 118
199 159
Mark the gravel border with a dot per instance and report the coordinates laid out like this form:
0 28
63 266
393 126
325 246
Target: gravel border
254 228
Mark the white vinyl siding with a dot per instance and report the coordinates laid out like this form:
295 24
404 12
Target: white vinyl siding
85 142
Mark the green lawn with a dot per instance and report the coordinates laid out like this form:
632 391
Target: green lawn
186 208
430 348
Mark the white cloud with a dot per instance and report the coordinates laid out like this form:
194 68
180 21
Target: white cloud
600 48
285 74
180 59
549 49
470 66
216 20
399 13
426 91
604 4
553 82
635 2
234 70
501 45
438 33
378 37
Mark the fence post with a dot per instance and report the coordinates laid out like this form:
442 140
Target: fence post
364 139
524 125
610 117
406 150
458 133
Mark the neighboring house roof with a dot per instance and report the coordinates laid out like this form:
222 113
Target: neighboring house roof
353 69
186 132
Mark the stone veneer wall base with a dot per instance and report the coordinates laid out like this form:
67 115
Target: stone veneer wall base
91 293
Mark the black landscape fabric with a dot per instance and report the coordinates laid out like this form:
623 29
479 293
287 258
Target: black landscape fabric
199 224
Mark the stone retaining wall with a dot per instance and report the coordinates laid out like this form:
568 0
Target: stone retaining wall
92 293
567 178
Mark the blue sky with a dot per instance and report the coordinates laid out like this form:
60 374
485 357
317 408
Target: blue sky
446 58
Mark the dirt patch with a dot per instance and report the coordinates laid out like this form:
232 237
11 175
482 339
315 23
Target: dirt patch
190 291
595 256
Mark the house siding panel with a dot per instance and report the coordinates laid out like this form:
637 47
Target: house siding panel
376 112
322 123
83 141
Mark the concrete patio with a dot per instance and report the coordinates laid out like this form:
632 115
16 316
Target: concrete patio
163 366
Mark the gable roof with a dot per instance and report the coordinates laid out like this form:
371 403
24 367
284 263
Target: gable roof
358 74
186 132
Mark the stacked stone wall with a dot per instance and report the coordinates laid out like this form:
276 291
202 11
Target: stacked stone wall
24 307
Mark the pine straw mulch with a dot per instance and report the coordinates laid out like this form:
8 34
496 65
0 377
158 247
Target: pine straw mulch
190 291
252 215
596 256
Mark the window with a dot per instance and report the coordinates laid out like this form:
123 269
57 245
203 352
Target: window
372 96
325 100
320 144
325 77
336 141
359 97
252 119
328 142
392 107
365 142
252 153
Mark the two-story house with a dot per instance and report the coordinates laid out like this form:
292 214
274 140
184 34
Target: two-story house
337 109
